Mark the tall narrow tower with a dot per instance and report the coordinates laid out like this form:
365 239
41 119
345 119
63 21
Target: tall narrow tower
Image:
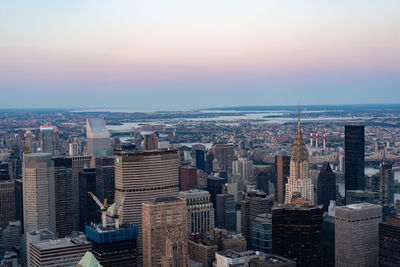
299 181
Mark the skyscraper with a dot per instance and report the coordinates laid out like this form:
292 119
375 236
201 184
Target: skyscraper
253 204
200 211
38 192
63 195
47 139
200 163
282 164
224 154
354 157
150 141
299 181
98 138
105 178
7 202
78 164
389 236
87 207
386 192
356 235
112 246
187 178
261 228
214 187
297 233
144 176
326 186
226 212
162 219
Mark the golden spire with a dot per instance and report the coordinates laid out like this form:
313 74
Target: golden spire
298 121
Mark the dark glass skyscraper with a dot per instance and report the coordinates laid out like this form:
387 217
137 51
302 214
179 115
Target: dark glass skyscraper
297 233
326 186
63 195
200 163
354 157
87 207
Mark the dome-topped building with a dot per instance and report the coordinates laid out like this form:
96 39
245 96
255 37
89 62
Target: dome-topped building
299 180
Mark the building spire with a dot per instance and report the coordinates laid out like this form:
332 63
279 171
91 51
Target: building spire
298 122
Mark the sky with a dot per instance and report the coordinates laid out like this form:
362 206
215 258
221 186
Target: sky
192 54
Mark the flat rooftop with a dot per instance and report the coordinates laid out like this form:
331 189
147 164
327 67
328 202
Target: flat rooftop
360 206
60 243
193 192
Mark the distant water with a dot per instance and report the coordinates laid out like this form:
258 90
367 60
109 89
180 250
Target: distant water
369 172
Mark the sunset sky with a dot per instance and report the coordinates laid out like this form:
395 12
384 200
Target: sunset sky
191 54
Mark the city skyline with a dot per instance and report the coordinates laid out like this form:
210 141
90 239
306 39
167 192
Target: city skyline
195 55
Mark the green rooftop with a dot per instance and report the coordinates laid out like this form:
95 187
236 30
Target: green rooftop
88 260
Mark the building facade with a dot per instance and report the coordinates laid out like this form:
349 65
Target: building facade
297 233
63 195
163 219
200 211
326 186
226 212
282 165
354 157
7 202
261 236
38 192
356 235
98 138
187 178
389 236
299 181
144 176
386 183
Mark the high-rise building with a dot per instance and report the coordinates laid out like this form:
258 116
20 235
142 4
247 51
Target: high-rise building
105 178
78 164
386 194
214 187
87 206
254 203
112 246
200 163
261 228
98 138
297 233
7 202
224 154
244 168
47 139
58 252
299 181
282 164
38 192
19 203
266 179
150 141
200 211
144 176
63 195
328 245
354 157
356 235
163 219
187 178
12 235
209 162
389 236
226 212
326 186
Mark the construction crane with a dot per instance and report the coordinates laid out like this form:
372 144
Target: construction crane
103 209
115 211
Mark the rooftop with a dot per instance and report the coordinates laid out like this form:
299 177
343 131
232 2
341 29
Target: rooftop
230 254
194 192
360 206
60 243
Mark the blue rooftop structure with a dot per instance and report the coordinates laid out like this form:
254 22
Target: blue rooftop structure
127 231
